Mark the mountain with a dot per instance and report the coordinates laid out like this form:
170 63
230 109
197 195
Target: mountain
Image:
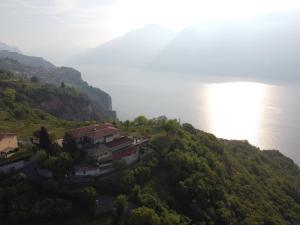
26 60
22 99
135 48
56 75
266 46
6 47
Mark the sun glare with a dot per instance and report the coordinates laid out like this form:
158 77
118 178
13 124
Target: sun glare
236 109
177 14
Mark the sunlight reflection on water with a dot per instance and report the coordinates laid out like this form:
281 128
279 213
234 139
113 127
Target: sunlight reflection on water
236 109
267 115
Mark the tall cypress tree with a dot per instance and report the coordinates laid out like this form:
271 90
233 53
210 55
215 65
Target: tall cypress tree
44 140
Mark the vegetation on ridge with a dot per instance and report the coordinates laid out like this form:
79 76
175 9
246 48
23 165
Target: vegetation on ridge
194 175
26 105
55 75
188 177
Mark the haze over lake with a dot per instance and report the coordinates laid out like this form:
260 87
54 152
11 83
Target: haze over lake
264 114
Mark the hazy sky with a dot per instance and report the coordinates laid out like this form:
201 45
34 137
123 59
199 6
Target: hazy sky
54 27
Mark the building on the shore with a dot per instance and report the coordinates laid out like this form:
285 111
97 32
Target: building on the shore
8 144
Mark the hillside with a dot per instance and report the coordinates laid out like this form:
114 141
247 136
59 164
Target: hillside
25 105
194 176
56 75
187 177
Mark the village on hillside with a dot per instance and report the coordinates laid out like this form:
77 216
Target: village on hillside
102 144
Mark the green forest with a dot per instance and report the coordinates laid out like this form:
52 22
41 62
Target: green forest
27 104
188 177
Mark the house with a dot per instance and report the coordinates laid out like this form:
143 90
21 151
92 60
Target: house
8 144
124 149
94 134
119 143
100 152
104 143
129 154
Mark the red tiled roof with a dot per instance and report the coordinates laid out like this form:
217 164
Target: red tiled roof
94 131
124 152
104 132
119 141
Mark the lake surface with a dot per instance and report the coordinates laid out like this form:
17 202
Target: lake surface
267 115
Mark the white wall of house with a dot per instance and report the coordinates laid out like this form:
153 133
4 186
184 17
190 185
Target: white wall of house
98 140
10 141
109 139
99 153
112 137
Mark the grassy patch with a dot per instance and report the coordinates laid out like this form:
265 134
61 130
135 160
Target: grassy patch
25 129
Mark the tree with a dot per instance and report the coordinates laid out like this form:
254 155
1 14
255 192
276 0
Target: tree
44 139
144 216
171 127
127 124
140 121
34 79
6 75
61 164
142 173
9 95
41 157
135 195
62 85
120 207
69 144
87 198
170 218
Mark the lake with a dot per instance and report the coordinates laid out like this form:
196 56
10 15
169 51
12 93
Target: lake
265 114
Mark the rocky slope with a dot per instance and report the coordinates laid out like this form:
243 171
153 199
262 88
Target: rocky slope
48 73
20 96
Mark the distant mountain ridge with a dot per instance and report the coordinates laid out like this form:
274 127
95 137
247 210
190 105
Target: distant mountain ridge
26 60
136 48
6 47
266 46
56 75
263 47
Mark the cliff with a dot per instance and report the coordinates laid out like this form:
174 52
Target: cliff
56 75
19 98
